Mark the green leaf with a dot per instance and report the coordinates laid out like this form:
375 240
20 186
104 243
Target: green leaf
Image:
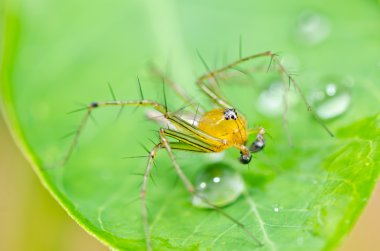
59 53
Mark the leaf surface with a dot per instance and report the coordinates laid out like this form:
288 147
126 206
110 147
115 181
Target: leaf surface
57 54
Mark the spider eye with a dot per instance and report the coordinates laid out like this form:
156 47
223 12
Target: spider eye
257 146
245 158
230 113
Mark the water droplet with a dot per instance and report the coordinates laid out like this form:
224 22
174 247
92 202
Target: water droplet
333 100
219 184
312 28
216 179
276 208
271 100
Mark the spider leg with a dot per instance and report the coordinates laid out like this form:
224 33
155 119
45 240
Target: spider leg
143 190
207 84
177 89
207 81
93 105
295 84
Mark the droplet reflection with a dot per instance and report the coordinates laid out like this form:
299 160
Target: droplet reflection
331 101
218 184
312 28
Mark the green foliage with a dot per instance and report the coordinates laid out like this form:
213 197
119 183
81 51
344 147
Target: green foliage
308 197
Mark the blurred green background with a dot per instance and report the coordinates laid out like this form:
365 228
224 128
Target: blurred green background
61 53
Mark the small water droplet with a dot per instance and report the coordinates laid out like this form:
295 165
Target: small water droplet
219 184
331 89
271 100
216 179
276 208
333 100
312 28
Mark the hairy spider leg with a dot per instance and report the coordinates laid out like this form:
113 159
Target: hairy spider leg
205 83
155 71
212 90
190 138
293 81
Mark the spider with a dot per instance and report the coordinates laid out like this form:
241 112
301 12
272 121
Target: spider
217 130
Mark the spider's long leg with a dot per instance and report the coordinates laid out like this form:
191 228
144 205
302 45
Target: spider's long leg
144 185
214 93
172 117
295 84
211 90
177 89
93 105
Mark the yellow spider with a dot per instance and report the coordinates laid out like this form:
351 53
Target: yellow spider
217 130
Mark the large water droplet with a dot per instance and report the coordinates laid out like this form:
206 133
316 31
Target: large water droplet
219 184
333 100
312 28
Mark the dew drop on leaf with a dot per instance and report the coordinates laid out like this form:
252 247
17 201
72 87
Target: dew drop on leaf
312 28
276 208
332 100
219 184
